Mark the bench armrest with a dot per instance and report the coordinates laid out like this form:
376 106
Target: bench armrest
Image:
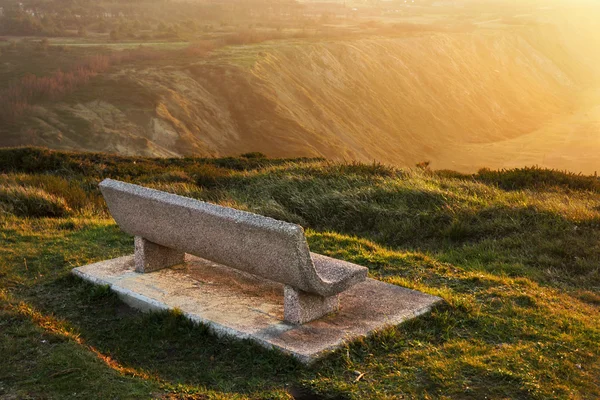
340 275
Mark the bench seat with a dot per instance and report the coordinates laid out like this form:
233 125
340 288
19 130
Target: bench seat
166 226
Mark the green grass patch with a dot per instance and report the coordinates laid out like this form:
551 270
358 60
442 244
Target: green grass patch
517 268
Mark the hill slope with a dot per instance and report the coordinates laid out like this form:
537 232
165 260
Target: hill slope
514 254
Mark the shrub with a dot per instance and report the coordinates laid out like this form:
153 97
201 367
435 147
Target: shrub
374 169
449 174
69 190
254 154
172 176
26 201
36 160
209 177
424 165
538 178
245 163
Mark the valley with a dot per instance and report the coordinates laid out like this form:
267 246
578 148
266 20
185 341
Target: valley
503 92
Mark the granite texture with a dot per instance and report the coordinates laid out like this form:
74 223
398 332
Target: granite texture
259 245
151 256
237 304
300 307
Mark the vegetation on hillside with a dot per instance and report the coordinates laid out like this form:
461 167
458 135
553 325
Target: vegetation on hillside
142 19
348 98
459 87
17 99
514 254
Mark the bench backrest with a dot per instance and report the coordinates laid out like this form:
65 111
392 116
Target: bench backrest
259 245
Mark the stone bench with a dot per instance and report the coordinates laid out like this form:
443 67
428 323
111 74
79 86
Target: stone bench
166 226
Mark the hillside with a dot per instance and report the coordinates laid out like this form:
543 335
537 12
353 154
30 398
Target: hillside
514 254
504 92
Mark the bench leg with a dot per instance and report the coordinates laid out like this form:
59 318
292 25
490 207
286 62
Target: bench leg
300 307
151 256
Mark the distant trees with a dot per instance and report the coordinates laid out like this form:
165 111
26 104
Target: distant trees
18 22
158 18
170 31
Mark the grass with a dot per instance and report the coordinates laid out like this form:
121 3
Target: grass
517 266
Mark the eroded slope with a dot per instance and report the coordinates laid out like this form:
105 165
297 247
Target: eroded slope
463 100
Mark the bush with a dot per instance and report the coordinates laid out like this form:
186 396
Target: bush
374 169
538 178
69 190
36 160
209 177
32 202
243 163
173 176
254 154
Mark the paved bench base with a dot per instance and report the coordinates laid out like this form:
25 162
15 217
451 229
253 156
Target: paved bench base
236 304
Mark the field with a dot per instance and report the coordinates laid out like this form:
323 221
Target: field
513 253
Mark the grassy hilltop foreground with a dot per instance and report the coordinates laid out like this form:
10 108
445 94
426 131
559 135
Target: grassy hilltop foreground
515 254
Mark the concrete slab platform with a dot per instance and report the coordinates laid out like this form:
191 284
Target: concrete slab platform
240 305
